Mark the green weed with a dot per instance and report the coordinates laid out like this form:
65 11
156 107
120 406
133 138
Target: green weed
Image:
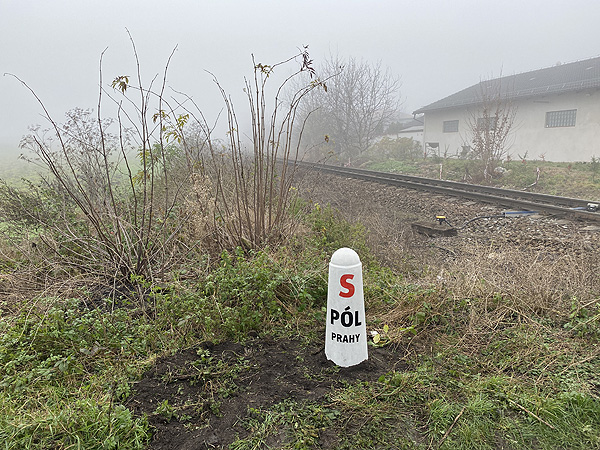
79 423
291 425
331 232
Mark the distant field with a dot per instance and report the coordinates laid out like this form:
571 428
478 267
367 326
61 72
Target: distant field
12 168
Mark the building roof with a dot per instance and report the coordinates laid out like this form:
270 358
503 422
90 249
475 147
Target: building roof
413 129
551 80
412 123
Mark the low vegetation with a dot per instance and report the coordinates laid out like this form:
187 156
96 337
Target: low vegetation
105 273
489 364
567 179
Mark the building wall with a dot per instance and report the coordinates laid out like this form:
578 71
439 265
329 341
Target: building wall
530 134
415 135
448 143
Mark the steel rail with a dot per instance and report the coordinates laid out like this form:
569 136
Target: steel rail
507 197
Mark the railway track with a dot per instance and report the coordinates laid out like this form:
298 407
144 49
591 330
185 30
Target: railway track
526 201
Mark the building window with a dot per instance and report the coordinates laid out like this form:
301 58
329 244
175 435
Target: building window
564 118
487 123
450 126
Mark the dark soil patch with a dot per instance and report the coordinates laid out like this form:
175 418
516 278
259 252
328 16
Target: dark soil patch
198 398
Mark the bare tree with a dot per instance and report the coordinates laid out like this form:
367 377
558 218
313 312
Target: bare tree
490 125
359 102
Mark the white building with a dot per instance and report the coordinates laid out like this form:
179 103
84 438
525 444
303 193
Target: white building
557 113
410 128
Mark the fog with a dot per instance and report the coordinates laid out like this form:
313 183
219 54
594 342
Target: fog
436 47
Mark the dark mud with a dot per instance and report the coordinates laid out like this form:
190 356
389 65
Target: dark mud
199 398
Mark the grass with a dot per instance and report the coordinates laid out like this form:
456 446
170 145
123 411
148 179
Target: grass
301 425
578 179
492 362
72 365
14 169
439 403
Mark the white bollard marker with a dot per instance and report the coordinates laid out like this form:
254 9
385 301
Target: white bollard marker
346 329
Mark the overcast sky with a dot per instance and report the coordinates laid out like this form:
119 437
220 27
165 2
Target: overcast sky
437 47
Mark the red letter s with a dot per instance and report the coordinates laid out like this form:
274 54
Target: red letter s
347 285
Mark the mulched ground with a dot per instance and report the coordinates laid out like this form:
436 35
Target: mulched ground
210 397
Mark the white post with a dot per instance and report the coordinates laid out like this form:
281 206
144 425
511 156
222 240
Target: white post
346 329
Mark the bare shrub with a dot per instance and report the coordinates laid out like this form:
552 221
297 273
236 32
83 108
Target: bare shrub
254 178
131 198
108 202
360 101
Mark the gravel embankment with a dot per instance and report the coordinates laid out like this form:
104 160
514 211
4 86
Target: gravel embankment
388 213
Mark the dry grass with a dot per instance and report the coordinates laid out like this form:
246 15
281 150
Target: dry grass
532 283
527 313
500 282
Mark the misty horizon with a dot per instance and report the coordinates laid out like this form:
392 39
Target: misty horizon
436 48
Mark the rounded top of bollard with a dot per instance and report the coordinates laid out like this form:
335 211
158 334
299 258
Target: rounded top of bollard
345 257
